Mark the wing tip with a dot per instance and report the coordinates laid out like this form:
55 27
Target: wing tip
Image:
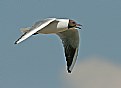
15 42
69 71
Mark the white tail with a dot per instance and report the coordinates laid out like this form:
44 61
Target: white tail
25 30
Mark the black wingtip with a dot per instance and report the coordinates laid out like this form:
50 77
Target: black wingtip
15 42
69 71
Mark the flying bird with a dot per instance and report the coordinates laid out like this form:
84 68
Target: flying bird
66 29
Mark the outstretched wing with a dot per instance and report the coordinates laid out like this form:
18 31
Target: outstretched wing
35 28
70 40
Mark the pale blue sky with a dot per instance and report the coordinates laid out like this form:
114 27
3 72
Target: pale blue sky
38 62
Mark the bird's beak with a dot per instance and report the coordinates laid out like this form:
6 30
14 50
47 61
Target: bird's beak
77 26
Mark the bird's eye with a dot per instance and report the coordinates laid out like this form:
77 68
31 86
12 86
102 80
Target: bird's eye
73 22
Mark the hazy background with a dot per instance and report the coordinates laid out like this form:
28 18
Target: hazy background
39 62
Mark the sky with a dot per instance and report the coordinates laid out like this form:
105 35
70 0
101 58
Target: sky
39 62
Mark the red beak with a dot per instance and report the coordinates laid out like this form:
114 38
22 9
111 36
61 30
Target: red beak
77 26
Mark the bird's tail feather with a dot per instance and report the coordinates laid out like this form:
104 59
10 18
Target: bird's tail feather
25 30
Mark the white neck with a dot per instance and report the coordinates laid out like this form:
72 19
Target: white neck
63 23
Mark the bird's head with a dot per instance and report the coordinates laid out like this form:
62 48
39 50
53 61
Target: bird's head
73 24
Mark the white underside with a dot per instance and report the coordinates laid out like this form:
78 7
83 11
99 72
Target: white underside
52 29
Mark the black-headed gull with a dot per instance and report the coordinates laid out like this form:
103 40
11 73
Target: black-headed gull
66 29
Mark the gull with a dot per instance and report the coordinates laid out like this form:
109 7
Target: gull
66 29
